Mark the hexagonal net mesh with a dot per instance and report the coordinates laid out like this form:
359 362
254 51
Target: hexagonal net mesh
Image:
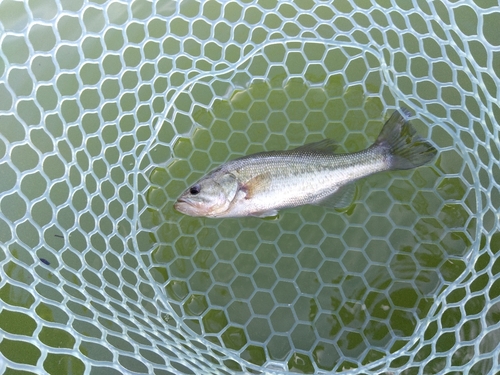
109 110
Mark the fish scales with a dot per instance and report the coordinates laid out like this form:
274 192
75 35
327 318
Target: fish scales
305 178
263 183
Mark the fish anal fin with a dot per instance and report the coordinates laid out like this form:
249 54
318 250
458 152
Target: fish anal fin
342 198
253 185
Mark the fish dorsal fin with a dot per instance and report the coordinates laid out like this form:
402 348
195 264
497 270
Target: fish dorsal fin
342 198
325 146
253 185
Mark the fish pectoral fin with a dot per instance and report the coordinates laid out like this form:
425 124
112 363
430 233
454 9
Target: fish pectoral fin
252 186
265 213
340 199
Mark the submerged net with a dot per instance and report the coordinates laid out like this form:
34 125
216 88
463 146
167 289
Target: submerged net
109 110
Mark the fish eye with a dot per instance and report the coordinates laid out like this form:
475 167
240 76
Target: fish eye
194 190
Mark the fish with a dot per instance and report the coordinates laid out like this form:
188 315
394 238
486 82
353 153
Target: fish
261 184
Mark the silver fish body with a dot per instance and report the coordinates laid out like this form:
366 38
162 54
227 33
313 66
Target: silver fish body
263 183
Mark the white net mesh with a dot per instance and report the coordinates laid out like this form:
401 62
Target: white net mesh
109 110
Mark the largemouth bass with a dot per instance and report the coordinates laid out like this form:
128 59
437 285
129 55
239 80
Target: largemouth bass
263 183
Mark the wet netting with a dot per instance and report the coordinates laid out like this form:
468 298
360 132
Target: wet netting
110 109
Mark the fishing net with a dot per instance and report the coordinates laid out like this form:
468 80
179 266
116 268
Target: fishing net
110 109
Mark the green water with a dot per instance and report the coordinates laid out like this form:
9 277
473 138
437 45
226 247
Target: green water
314 288
364 278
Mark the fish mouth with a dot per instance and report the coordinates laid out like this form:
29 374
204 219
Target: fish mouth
183 200
185 206
180 202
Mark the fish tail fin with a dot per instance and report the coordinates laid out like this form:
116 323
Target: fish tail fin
403 146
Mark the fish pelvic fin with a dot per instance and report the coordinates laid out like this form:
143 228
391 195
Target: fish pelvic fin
405 149
262 214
